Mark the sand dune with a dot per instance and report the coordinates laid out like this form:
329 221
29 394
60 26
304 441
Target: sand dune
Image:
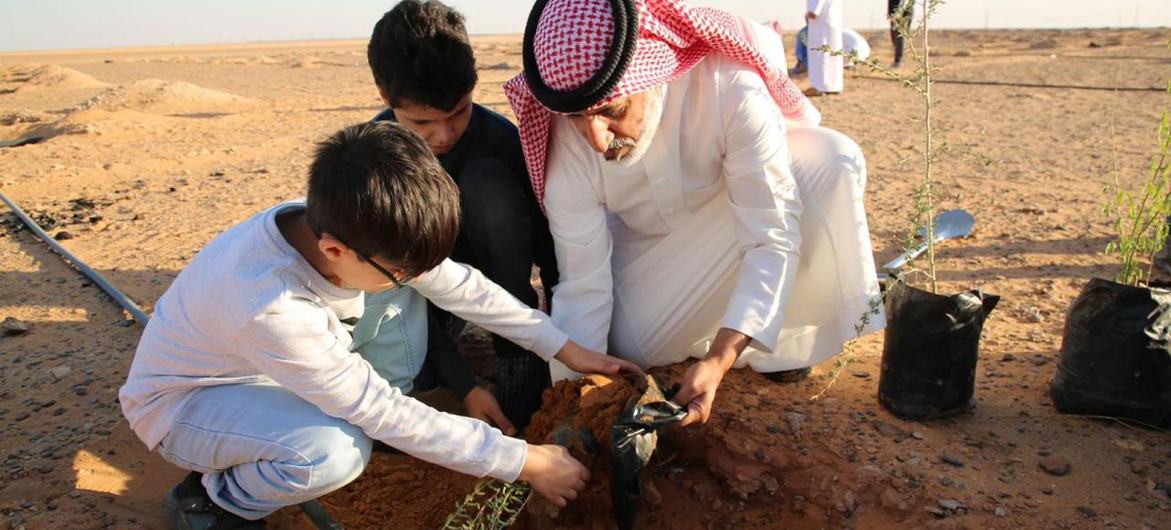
44 77
160 96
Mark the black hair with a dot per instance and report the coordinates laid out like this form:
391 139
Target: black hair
377 188
419 53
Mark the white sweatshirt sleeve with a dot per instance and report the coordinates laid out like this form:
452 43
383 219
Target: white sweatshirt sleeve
291 342
467 293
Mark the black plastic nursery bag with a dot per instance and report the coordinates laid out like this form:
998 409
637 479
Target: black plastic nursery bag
930 351
1115 356
633 440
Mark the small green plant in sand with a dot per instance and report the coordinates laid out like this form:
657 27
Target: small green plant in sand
492 505
918 81
1140 217
924 199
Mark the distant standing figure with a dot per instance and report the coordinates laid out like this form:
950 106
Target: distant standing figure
899 15
824 18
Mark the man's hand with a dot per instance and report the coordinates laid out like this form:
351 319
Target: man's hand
482 405
554 474
585 361
697 389
810 15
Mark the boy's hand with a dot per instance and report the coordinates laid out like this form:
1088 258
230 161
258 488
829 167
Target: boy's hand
585 361
482 405
554 474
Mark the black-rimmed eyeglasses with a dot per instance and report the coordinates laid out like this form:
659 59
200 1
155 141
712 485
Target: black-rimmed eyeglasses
380 268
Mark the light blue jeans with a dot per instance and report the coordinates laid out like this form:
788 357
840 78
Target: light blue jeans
261 448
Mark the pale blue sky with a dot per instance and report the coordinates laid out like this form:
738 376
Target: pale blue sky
63 24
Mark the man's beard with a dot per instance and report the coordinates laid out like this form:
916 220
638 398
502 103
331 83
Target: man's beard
653 109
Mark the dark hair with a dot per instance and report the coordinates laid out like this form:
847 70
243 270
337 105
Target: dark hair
377 188
419 53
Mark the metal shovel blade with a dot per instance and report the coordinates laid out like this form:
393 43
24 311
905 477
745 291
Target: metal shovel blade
948 225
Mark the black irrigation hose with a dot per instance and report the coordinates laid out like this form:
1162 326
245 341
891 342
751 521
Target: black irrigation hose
1023 85
313 509
76 263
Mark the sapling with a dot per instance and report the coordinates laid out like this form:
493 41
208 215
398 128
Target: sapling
919 82
1140 218
492 505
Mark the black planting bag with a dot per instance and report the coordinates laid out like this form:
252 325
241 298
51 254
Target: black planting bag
633 439
1115 354
931 346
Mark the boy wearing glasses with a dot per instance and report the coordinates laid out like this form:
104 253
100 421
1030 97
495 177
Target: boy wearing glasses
245 374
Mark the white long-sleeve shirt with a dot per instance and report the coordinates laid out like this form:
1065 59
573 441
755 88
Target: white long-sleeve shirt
250 308
720 130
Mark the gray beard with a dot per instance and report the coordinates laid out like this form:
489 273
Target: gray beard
650 125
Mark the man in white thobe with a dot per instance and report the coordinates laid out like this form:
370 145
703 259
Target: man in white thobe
691 215
826 73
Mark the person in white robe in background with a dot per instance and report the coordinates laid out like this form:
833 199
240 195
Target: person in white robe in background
826 70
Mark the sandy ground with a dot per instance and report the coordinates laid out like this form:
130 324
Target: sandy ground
152 152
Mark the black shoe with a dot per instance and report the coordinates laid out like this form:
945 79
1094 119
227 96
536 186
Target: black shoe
788 376
189 507
520 381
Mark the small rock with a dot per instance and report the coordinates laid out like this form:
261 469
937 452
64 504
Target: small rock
1008 357
59 411
1038 360
13 327
1130 444
124 323
1000 511
887 429
1048 490
1055 465
795 421
60 372
951 459
63 236
1090 513
951 504
862 374
916 435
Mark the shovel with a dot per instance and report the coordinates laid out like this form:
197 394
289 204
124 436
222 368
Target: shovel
948 225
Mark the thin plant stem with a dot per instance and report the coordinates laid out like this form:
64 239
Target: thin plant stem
929 154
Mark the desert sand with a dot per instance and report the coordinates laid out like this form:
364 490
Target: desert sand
149 153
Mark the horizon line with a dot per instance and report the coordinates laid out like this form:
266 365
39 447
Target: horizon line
154 47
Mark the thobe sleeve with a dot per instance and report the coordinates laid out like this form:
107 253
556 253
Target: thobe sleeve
766 206
583 301
465 292
816 6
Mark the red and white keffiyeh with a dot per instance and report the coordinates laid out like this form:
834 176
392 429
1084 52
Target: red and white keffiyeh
571 45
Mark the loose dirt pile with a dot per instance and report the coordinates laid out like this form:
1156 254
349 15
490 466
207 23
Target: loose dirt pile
159 96
32 77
